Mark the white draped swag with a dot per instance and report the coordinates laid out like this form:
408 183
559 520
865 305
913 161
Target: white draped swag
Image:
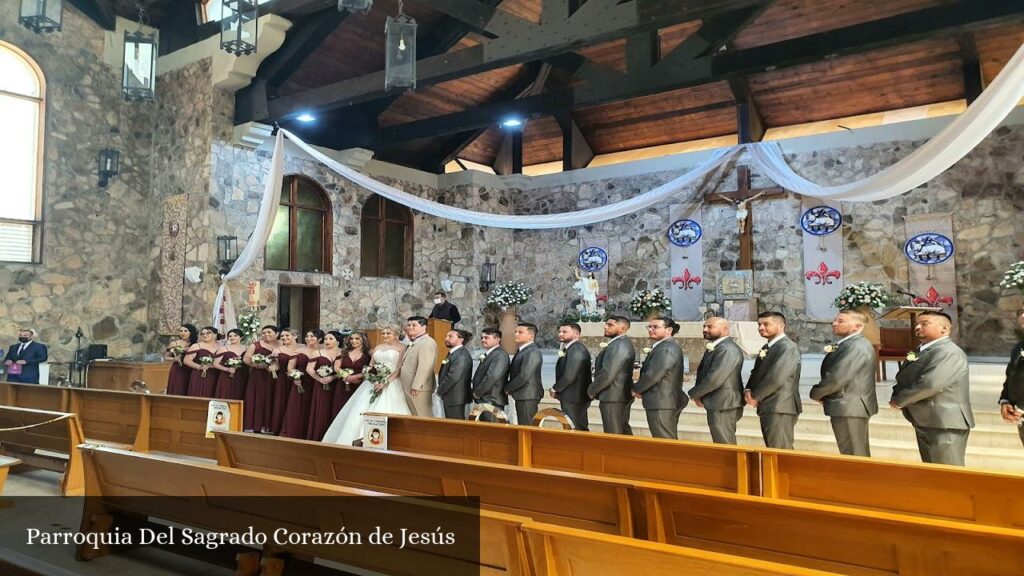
928 161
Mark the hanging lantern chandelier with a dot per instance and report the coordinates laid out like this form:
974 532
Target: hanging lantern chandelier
40 16
238 27
400 58
138 80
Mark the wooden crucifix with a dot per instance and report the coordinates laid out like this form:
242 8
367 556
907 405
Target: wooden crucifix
741 199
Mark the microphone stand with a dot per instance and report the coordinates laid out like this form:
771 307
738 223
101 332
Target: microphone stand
77 364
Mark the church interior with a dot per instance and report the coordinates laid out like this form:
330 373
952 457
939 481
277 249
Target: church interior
521 178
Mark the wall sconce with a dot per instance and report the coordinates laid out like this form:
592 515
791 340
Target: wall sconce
488 275
227 252
108 165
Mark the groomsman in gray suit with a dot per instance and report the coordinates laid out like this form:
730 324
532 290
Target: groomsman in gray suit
774 385
932 389
661 380
719 388
613 377
455 378
492 371
847 387
572 376
524 384
1011 400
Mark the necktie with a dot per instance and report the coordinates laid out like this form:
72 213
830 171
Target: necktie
22 348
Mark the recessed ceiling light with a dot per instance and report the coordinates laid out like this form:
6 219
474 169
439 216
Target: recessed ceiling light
306 117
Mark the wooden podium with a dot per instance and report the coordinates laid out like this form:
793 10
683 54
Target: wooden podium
910 313
437 329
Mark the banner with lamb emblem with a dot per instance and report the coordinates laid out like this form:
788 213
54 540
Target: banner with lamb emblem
686 253
822 225
929 248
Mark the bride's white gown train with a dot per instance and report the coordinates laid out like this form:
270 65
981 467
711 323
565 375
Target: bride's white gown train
348 425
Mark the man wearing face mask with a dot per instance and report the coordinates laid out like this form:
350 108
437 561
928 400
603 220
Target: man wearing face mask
444 310
24 358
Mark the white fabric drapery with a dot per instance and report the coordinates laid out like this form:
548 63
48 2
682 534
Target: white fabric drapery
536 222
258 239
931 159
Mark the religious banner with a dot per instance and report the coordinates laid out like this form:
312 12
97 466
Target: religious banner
686 254
593 258
172 263
929 248
822 225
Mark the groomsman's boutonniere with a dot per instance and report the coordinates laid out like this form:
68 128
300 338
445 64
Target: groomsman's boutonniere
646 350
482 356
561 353
603 345
911 357
762 353
443 362
830 348
709 347
1022 353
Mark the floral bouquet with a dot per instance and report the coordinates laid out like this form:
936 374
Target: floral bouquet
508 295
1014 277
863 294
324 372
377 374
178 350
296 376
265 361
205 362
233 363
345 373
249 325
645 302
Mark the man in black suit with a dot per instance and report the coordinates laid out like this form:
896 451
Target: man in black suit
719 387
847 387
572 376
613 377
661 380
455 378
492 371
444 310
1011 400
24 358
933 391
774 385
524 383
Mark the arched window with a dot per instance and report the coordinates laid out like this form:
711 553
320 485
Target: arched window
21 153
301 237
386 246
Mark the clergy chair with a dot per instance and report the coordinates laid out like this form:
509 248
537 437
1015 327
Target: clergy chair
895 343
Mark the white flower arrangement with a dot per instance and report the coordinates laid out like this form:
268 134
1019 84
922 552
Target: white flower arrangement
603 345
510 294
646 301
481 357
296 377
561 353
1014 277
249 324
709 347
830 348
646 350
911 357
762 354
863 294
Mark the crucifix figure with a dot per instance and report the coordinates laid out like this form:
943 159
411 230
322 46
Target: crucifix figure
741 199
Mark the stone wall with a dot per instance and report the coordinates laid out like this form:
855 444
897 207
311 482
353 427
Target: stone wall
96 266
984 191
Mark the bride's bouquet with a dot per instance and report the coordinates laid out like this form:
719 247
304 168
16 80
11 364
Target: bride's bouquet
377 374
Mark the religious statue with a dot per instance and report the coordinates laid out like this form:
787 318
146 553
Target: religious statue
587 287
742 209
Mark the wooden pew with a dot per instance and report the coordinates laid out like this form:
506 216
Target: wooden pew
559 551
950 492
186 490
843 540
141 422
697 464
586 502
509 544
44 430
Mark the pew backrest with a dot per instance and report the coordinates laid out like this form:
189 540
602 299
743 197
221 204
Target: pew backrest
26 430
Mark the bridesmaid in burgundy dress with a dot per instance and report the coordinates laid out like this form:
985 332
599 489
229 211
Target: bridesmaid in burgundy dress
179 374
323 387
204 377
296 415
231 380
283 384
355 356
261 382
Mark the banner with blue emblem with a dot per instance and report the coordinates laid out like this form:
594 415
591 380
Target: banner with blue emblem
822 226
686 253
929 249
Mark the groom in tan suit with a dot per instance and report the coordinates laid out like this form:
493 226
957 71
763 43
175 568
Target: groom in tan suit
417 370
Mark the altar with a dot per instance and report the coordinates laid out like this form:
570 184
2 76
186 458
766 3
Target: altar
690 337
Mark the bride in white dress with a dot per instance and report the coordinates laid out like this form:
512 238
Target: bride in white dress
348 425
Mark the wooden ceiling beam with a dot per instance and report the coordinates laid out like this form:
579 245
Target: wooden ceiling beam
95 12
585 28
974 80
482 17
749 124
